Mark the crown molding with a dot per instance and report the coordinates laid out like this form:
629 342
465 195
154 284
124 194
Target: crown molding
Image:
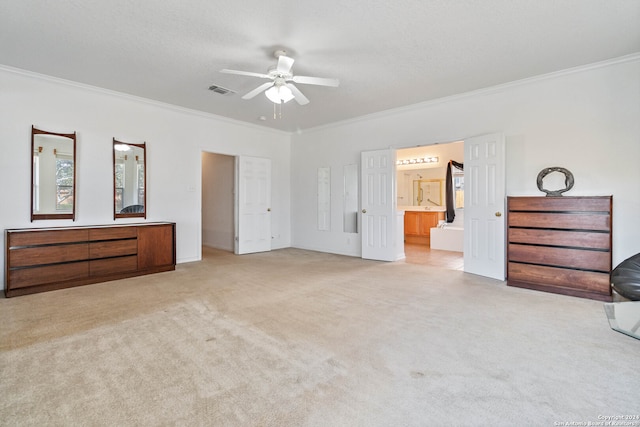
635 57
129 97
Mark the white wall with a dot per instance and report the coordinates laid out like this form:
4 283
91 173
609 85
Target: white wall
175 140
586 120
218 173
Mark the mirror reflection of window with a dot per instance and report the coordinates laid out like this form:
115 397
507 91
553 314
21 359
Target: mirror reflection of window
458 188
129 179
140 181
52 175
36 182
119 177
64 182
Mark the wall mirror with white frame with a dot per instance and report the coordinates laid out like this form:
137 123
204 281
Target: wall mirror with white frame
53 175
129 180
350 202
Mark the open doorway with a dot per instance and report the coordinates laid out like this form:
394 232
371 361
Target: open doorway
218 172
421 194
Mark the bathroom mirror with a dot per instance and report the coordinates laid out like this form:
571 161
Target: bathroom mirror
350 203
53 175
428 192
458 188
129 180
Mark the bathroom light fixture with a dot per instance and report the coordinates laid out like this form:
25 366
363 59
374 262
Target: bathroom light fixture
418 160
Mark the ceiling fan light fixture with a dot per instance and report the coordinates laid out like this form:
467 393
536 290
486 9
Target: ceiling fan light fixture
279 94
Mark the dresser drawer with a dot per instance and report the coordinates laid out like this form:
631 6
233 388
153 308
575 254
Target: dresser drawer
569 258
24 277
39 255
108 266
113 248
561 204
575 239
113 233
570 221
47 237
559 277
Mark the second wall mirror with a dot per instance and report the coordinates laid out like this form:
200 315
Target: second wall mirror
129 180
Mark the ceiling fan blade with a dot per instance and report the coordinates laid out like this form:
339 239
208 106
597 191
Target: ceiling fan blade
320 81
257 90
245 73
284 64
298 96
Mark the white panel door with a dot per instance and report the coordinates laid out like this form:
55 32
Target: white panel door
484 198
253 205
378 203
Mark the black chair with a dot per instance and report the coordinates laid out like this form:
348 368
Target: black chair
625 278
133 209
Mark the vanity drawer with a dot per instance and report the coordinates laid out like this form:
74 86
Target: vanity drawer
39 255
113 248
108 266
24 277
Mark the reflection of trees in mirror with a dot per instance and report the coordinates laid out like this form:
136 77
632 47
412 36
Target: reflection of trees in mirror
119 177
53 175
64 183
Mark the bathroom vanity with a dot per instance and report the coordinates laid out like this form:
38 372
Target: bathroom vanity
418 224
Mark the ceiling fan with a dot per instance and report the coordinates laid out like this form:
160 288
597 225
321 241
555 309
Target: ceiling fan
281 88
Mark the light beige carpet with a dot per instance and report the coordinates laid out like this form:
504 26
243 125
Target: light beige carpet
295 338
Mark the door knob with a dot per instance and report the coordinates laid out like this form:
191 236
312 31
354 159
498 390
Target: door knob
364 211
498 213
268 209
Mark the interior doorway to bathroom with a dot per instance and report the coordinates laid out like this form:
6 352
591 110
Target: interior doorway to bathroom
421 194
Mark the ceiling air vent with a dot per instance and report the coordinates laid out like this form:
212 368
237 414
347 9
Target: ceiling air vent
221 90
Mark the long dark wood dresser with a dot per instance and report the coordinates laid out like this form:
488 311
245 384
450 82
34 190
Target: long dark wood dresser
560 245
44 259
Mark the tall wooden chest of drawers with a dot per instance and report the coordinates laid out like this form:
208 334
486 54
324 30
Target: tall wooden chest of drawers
44 259
560 245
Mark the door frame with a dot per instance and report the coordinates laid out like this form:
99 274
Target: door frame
234 200
465 144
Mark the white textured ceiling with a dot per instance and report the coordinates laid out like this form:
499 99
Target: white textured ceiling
387 54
